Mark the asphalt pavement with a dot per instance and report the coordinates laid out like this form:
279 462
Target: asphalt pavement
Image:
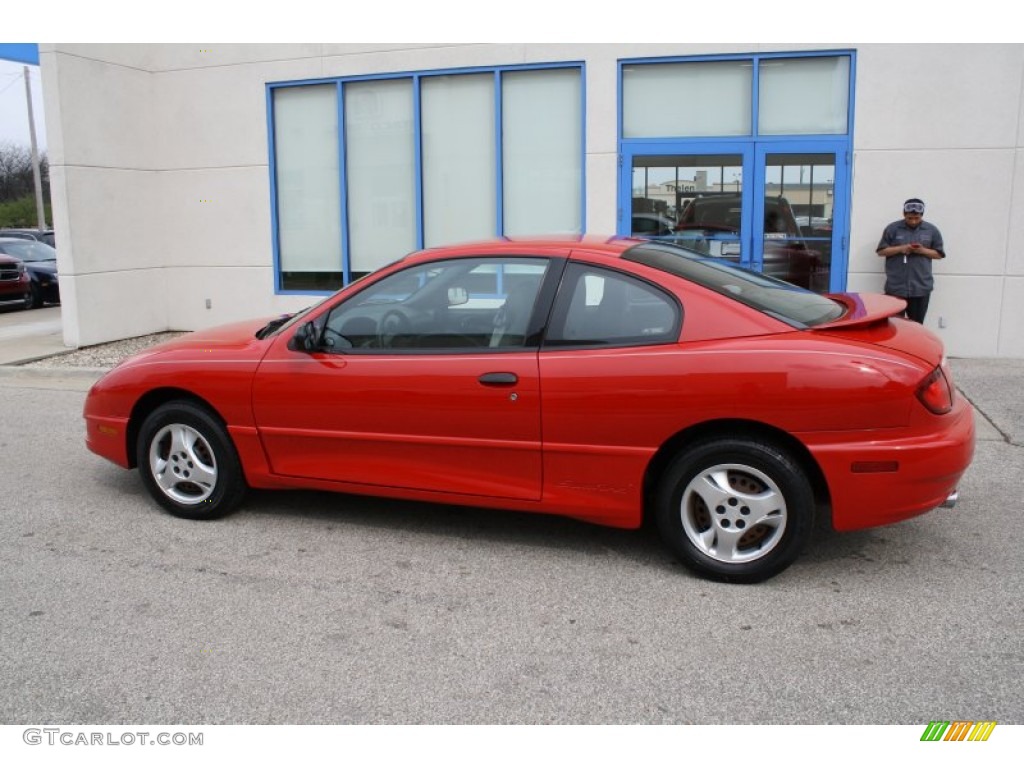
322 608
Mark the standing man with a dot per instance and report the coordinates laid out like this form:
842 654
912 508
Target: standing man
908 247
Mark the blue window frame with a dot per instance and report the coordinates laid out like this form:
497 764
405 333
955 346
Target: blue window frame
758 148
340 249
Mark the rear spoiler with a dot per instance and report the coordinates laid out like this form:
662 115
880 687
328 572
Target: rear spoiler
863 309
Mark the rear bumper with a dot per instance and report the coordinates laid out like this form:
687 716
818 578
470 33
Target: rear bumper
905 476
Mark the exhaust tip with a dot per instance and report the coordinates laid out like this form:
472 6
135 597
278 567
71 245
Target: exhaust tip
951 500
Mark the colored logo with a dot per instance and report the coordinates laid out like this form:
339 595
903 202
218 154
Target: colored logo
958 730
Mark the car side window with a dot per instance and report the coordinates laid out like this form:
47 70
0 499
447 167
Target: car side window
471 304
602 307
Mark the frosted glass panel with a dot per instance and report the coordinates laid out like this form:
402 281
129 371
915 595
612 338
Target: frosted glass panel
542 152
308 190
459 176
687 99
802 96
379 163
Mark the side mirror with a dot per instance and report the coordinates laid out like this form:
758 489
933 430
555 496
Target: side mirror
305 339
457 295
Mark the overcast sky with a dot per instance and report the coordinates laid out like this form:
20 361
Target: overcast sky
13 110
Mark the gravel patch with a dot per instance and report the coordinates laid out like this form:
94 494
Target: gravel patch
104 355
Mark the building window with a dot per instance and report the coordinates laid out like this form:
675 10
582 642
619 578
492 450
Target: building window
543 148
686 99
459 146
804 96
308 196
380 173
365 170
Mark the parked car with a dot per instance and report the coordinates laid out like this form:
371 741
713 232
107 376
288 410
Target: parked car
600 378
711 225
14 283
43 235
651 225
41 263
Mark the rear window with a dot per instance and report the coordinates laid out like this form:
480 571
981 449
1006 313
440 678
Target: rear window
789 303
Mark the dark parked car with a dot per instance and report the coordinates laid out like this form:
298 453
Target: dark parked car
711 225
42 235
14 283
651 225
41 264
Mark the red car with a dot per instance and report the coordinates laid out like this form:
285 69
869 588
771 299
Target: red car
15 284
602 379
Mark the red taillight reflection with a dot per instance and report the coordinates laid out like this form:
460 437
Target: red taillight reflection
935 393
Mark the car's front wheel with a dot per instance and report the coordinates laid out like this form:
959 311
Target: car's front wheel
734 509
188 462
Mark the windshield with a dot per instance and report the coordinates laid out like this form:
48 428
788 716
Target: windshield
28 250
786 302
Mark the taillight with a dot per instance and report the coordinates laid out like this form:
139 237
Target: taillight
935 392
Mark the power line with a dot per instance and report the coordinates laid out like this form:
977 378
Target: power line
14 78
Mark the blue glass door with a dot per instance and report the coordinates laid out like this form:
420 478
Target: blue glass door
777 207
698 198
801 209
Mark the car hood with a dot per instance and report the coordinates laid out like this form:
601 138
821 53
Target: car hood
874 318
47 267
234 339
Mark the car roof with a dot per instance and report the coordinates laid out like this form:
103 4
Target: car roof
611 245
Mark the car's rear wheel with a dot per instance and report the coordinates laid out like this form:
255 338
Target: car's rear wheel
734 509
188 462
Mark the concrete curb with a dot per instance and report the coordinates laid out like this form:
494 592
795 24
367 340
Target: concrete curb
37 373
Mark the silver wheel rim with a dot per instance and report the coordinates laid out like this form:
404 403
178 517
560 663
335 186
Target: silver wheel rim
183 464
733 513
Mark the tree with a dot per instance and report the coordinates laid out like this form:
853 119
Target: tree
16 172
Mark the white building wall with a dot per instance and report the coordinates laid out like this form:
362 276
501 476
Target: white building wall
161 192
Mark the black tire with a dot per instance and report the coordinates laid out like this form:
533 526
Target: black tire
188 463
734 509
35 298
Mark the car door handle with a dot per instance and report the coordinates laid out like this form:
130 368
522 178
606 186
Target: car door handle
498 379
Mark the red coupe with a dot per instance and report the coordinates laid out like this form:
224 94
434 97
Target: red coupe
602 379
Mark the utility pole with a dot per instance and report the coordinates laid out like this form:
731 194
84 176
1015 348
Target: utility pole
36 176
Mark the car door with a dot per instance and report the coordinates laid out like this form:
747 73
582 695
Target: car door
607 374
425 380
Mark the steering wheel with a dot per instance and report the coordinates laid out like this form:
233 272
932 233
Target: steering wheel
394 323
